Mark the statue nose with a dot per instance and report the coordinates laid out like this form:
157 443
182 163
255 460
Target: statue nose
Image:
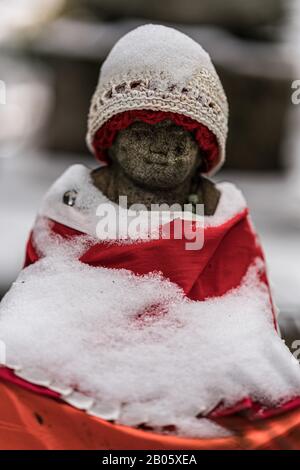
159 147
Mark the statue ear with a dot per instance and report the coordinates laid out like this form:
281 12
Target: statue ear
199 160
113 149
112 152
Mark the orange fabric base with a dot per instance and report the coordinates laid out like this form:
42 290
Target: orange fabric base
33 422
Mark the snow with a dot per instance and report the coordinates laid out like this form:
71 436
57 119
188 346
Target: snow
93 330
231 203
91 204
156 48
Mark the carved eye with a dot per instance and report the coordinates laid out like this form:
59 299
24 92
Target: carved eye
123 148
180 148
140 135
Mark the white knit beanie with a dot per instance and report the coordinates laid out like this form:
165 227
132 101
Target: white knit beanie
158 68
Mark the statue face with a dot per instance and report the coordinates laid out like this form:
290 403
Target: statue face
158 156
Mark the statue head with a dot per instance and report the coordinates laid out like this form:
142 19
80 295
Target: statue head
161 155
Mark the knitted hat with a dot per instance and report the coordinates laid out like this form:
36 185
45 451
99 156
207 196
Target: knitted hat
155 73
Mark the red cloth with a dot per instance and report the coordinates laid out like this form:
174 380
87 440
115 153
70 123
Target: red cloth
229 250
31 421
206 140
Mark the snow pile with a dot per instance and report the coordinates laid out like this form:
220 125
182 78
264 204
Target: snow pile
137 349
155 48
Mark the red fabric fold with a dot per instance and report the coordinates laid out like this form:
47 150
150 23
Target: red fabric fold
31 421
229 249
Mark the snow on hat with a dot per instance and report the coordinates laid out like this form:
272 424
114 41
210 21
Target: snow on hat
155 73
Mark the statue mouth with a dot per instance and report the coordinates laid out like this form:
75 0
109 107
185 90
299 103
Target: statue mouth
157 159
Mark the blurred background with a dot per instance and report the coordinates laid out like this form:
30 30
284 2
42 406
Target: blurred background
50 53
